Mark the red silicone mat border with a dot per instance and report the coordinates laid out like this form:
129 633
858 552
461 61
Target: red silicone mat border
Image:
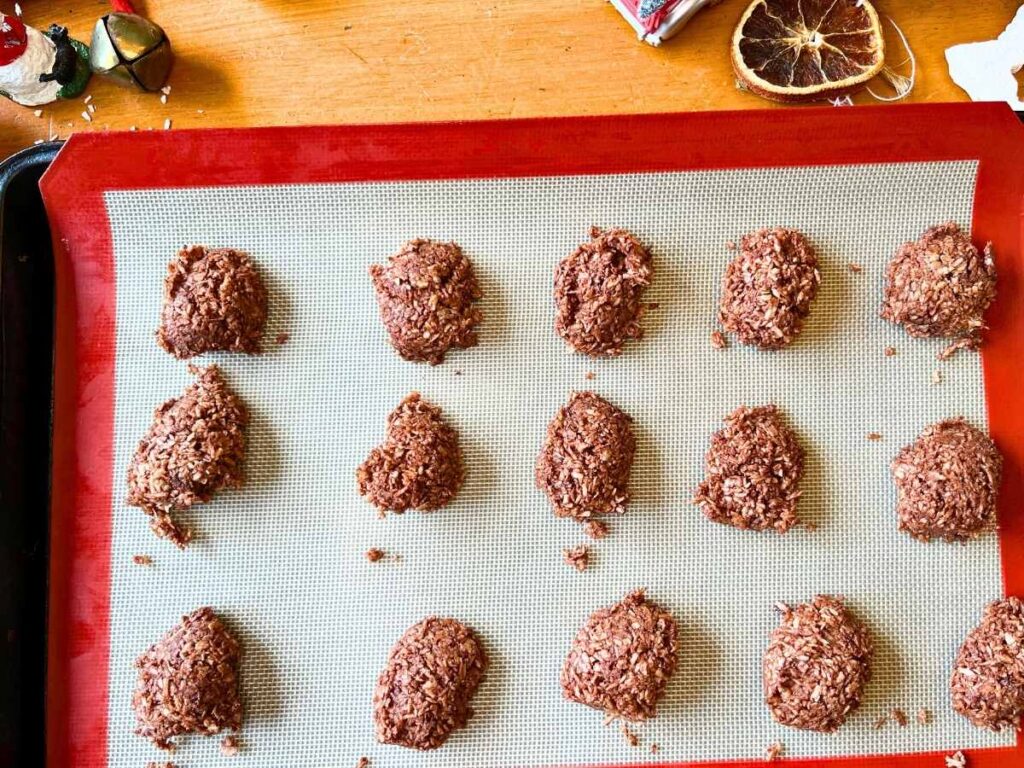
83 472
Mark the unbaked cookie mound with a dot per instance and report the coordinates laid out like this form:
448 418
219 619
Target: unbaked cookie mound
188 681
598 292
940 285
214 300
425 690
754 467
816 666
768 288
947 482
622 658
426 295
419 464
586 459
194 448
987 685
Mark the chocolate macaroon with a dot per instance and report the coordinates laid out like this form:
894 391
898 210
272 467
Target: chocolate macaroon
194 448
753 471
940 284
214 300
947 482
586 459
425 690
188 681
622 658
599 290
816 666
768 288
427 296
987 685
419 464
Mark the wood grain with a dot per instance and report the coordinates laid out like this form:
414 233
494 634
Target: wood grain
282 62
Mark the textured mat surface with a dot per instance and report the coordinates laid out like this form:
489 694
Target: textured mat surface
282 559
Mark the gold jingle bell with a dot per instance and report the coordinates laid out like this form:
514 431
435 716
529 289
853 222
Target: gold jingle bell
130 50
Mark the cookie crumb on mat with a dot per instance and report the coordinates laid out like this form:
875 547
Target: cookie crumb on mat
630 736
596 529
855 268
229 746
424 692
374 554
160 765
363 762
924 716
899 717
598 291
282 338
773 752
956 760
718 340
591 375
655 748
890 351
577 557
142 559
972 343
874 436
936 376
880 722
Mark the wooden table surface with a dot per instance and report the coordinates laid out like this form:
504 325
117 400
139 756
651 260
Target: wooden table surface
286 62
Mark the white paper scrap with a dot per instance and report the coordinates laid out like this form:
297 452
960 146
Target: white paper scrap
986 70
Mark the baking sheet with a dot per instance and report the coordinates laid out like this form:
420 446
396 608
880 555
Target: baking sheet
282 559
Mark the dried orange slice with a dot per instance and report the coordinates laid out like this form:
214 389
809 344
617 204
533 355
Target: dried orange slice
807 50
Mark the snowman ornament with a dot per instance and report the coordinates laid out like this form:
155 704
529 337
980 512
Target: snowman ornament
37 68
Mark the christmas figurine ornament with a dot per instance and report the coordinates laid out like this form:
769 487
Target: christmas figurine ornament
36 67
130 49
657 20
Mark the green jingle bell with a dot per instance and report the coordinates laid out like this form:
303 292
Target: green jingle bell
130 50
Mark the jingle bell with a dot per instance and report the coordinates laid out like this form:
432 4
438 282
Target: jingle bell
131 50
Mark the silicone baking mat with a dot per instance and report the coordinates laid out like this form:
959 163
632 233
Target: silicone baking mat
283 559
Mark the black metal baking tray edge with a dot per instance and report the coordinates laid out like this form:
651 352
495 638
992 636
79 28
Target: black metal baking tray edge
26 386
